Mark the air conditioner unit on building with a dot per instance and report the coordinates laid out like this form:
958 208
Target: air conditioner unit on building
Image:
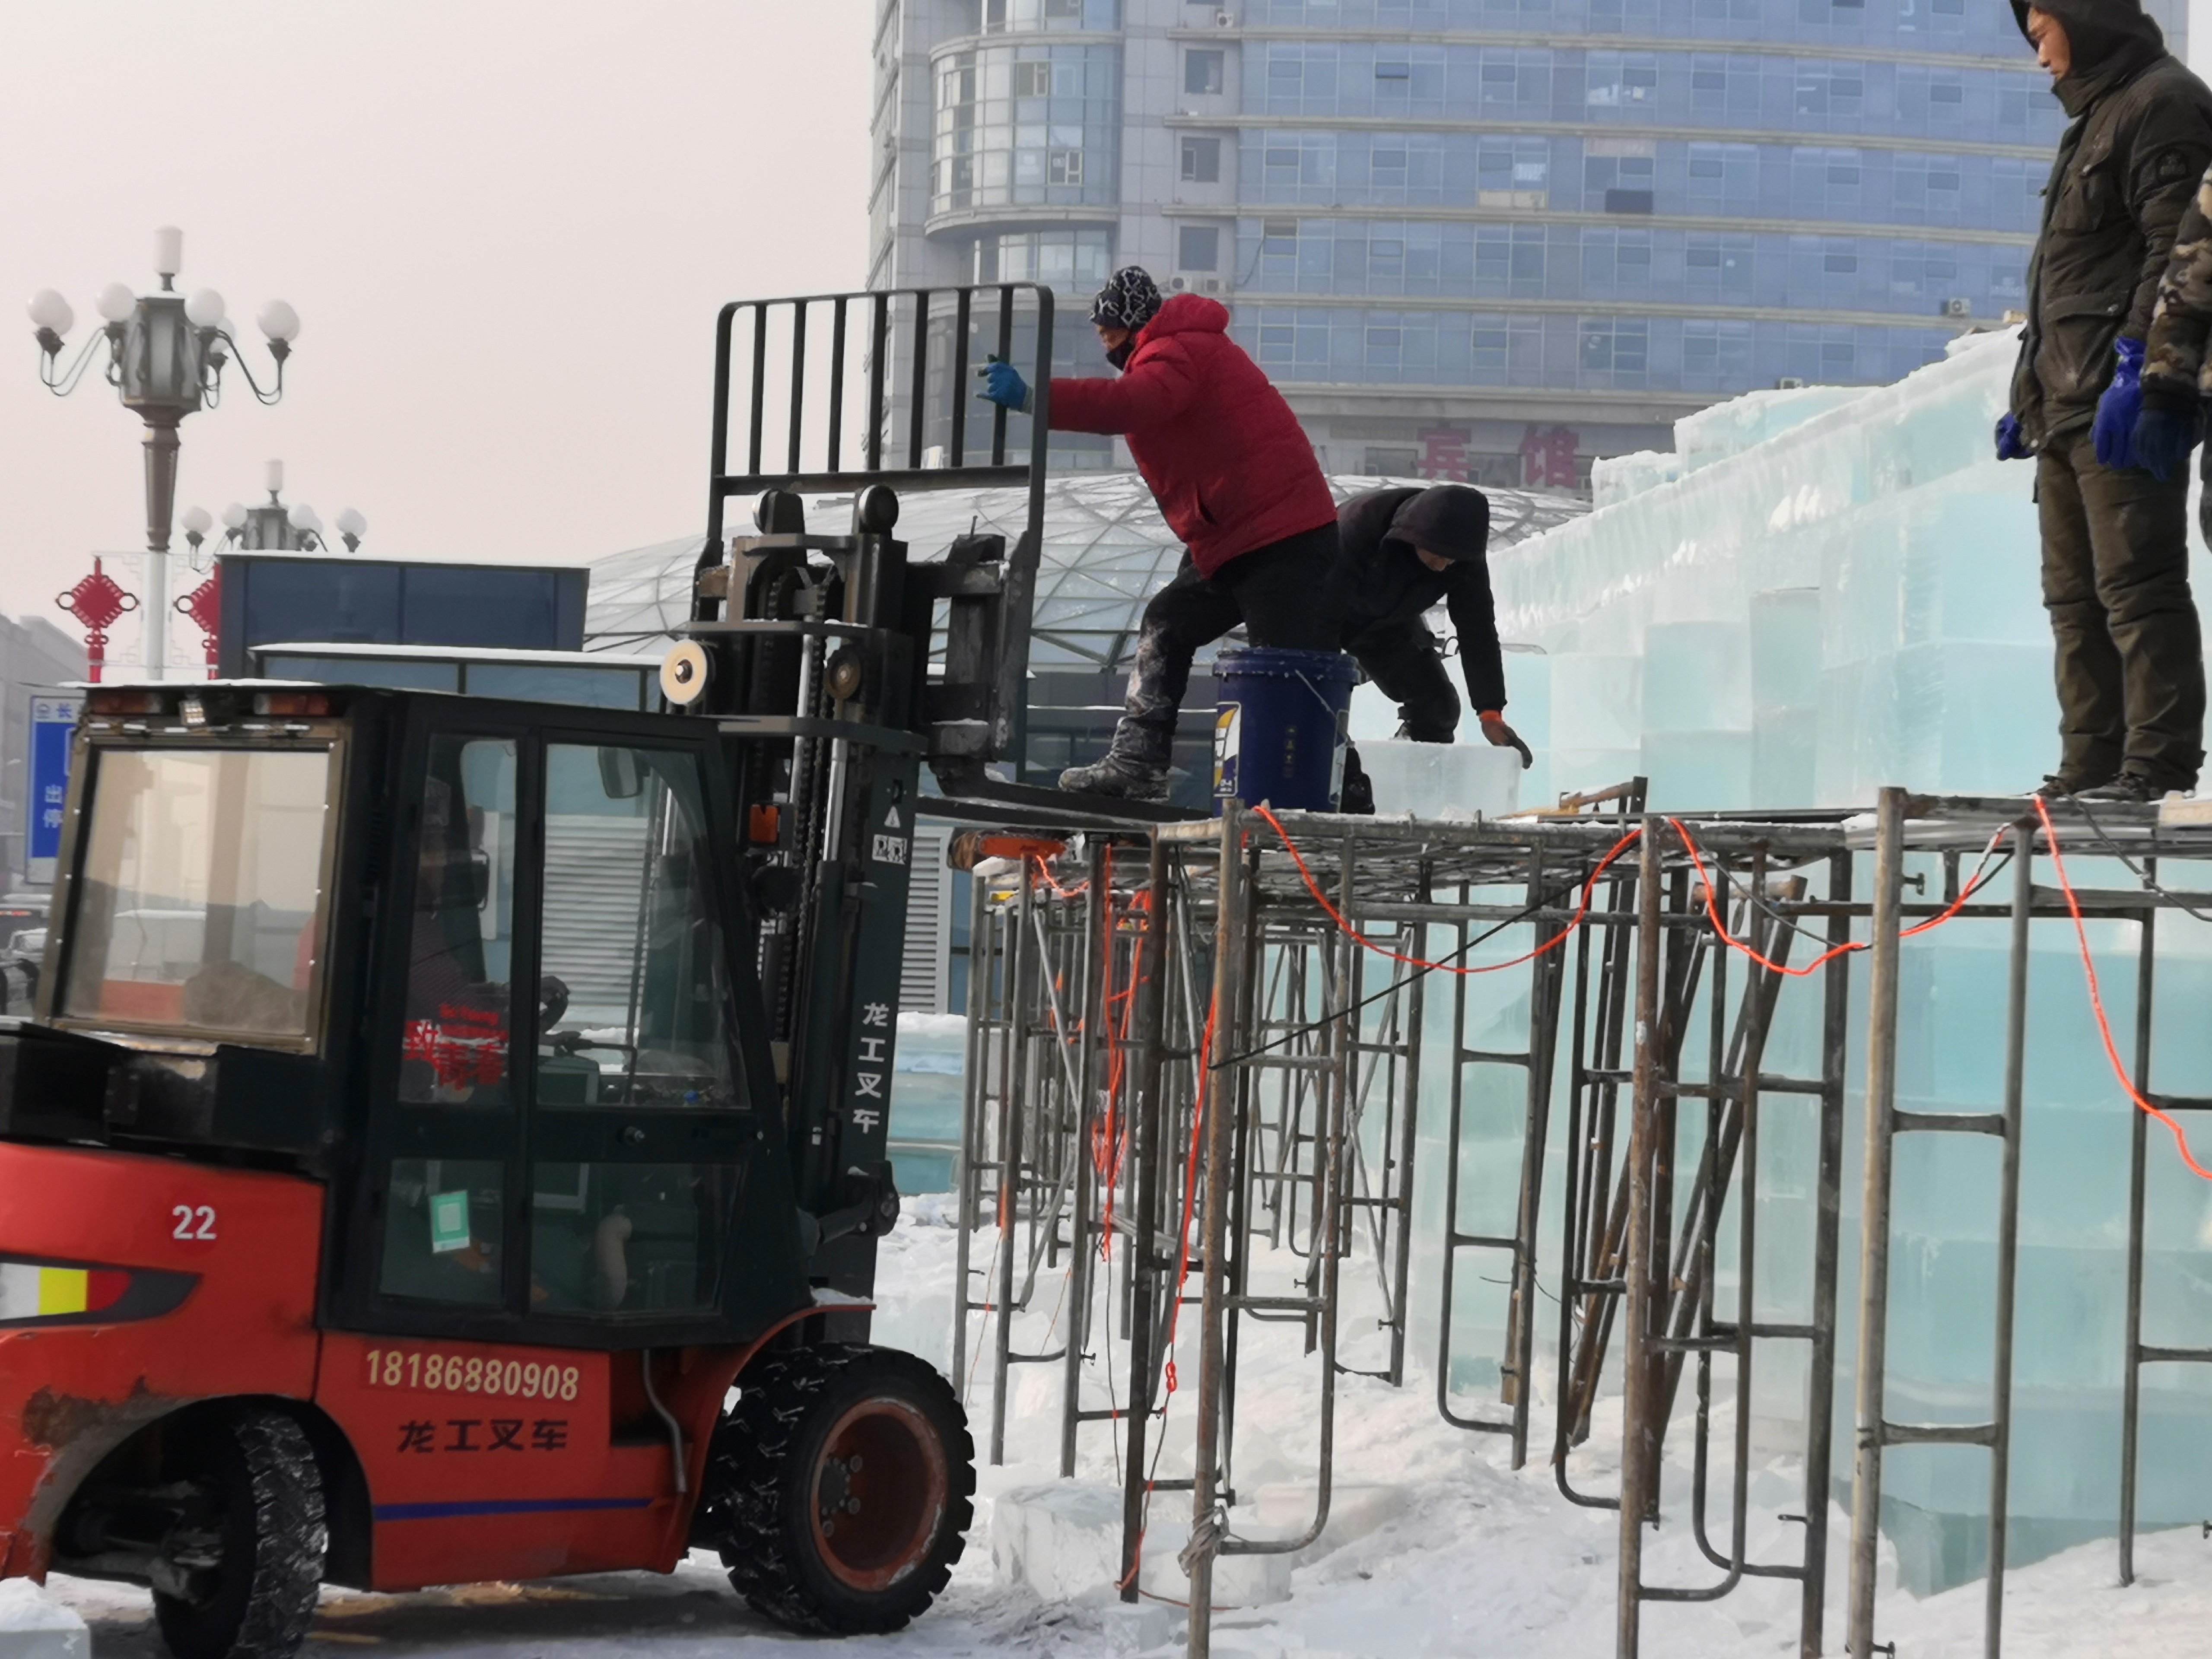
1790 383
1209 285
1958 308
1224 19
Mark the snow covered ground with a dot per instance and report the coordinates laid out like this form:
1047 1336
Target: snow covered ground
1473 1559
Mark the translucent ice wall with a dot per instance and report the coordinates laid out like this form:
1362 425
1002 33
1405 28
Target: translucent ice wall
1836 588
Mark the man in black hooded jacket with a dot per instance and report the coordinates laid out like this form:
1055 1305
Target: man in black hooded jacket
2128 662
1401 552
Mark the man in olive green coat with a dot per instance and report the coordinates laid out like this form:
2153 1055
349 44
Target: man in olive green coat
2129 667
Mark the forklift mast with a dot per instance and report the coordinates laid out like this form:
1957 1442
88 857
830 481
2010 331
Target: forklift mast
835 666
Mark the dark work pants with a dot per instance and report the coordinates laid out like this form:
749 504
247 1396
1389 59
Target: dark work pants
2130 656
1278 591
1403 660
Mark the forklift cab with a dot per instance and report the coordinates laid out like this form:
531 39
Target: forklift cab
475 963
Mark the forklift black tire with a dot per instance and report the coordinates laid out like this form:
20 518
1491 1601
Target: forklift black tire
266 1502
841 1484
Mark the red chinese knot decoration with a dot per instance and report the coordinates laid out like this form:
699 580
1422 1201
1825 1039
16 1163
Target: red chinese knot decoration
204 605
97 603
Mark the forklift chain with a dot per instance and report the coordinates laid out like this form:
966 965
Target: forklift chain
760 1487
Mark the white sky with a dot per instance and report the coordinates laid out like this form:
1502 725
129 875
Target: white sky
506 227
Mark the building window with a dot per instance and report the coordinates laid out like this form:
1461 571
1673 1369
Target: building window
1387 72
1202 72
1516 77
1716 355
1510 259
1718 267
1062 148
997 16
1505 349
1822 90
1824 182
1928 187
1623 184
1201 161
1613 351
1513 172
1725 174
1376 462
1198 247
1622 80
1617 262
1947 101
1072 261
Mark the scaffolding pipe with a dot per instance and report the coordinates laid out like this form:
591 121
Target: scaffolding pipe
1874 1215
1639 1447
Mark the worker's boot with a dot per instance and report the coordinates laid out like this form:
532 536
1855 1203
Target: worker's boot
1119 774
2129 789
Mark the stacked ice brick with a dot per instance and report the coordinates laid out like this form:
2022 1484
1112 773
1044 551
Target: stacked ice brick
1837 589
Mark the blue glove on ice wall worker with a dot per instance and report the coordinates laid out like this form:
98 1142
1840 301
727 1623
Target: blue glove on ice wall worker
2118 409
1003 384
2012 444
2164 435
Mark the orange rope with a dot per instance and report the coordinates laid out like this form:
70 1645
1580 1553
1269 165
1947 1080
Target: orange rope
1713 914
2097 999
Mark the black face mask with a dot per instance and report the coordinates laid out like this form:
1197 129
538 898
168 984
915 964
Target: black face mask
1120 356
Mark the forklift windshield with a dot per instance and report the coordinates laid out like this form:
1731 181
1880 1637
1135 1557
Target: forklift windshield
199 903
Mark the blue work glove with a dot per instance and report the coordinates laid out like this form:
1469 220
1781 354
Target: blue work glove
1003 384
2117 409
2012 442
2164 434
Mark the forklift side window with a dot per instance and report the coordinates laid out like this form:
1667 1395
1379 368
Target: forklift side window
454 1043
630 940
441 1231
199 905
629 1238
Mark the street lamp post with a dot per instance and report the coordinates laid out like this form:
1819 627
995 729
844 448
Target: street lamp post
166 355
269 526
272 527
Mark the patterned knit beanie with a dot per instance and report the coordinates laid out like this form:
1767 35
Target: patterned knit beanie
1130 300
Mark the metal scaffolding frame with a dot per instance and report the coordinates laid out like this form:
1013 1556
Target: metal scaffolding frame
1186 1065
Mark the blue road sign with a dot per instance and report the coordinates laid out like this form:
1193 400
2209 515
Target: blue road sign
53 721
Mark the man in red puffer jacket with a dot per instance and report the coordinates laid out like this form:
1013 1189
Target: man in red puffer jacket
1236 480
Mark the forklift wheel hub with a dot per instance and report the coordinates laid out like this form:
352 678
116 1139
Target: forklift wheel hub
879 1493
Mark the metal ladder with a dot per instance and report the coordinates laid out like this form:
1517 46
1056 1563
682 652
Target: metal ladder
1876 1434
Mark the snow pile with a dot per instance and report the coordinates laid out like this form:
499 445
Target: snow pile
34 1627
1444 1553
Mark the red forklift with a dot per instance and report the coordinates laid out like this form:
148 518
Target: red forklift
450 1144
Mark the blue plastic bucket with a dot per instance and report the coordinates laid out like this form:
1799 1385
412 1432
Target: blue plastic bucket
1281 726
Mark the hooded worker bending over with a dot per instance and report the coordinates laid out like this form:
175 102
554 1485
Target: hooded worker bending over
1404 551
1236 481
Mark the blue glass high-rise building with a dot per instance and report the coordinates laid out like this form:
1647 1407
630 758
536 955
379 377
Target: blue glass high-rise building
1490 239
